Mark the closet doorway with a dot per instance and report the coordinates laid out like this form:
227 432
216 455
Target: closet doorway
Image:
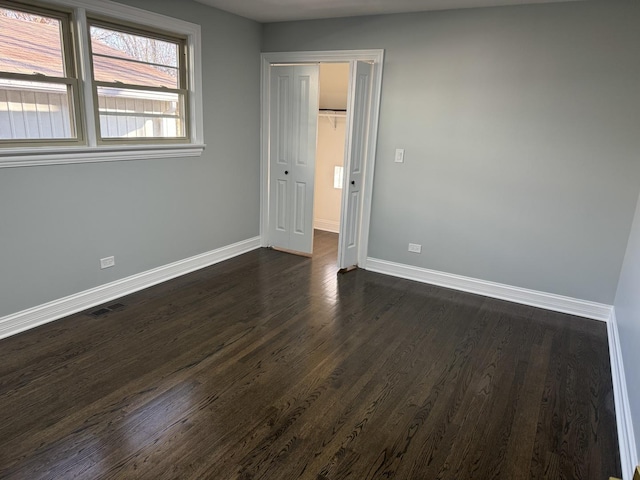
331 146
293 124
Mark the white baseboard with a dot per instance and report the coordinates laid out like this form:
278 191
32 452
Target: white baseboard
326 225
549 301
626 435
48 312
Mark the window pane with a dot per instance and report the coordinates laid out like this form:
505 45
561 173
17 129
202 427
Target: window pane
115 70
127 113
338 175
133 59
34 110
30 44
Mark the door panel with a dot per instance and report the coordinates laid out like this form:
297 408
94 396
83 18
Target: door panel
303 99
357 134
300 209
360 124
280 154
293 132
281 198
352 237
306 97
283 113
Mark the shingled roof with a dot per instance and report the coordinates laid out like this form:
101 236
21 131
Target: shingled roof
28 47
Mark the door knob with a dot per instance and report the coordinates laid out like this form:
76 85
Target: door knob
353 182
286 172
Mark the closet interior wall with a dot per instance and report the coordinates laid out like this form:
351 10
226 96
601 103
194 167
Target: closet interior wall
334 84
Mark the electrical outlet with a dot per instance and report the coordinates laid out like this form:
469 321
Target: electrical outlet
415 248
107 262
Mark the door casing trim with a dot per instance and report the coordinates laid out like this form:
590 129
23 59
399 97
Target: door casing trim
325 56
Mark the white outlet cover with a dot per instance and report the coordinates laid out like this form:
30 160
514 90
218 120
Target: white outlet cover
107 262
415 248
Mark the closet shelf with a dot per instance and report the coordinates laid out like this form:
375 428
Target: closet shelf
332 115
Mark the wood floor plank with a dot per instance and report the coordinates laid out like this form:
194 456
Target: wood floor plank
273 366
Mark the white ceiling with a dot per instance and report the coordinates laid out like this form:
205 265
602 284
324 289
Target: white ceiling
286 10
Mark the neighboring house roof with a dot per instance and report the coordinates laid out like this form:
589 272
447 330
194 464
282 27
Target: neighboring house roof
28 47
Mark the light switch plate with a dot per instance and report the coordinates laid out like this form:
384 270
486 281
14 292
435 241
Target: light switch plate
399 155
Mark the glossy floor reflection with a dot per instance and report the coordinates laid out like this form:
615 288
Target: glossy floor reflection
272 366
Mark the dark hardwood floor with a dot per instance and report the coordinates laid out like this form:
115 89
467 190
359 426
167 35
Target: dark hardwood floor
271 366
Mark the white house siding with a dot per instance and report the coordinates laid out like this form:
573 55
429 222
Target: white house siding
34 113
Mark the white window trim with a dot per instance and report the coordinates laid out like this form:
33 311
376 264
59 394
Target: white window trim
92 152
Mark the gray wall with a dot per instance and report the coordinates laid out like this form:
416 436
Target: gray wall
628 315
56 222
520 126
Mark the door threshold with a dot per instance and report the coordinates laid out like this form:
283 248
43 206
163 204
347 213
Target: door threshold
292 252
348 269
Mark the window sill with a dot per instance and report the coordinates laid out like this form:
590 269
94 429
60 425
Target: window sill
31 157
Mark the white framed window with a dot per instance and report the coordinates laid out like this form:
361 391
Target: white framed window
39 95
139 84
94 80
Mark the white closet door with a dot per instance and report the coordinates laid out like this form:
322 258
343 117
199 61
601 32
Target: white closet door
359 107
280 124
293 132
